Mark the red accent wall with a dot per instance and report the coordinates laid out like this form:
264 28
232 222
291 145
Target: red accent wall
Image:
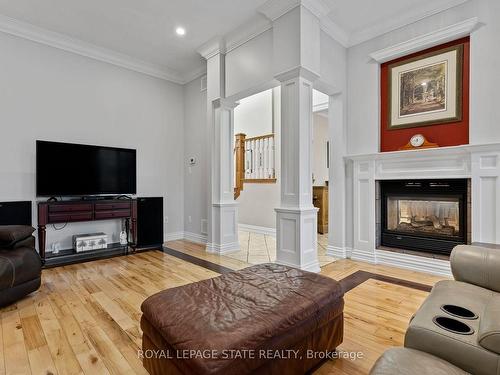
450 134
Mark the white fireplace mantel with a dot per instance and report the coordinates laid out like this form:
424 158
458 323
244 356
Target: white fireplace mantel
480 163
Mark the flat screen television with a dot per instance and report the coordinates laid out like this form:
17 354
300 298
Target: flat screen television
66 169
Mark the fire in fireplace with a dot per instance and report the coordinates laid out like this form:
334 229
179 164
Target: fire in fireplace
425 215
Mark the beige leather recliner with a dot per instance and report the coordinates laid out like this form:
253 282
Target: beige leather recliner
404 361
476 288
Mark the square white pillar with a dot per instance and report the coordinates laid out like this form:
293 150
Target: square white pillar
337 238
296 238
296 218
224 214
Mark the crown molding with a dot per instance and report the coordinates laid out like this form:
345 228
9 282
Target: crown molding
440 36
247 32
298 71
213 47
317 7
56 40
395 23
274 9
235 38
334 31
195 74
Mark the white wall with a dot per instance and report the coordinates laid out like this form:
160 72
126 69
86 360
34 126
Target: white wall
249 66
254 115
363 75
54 95
195 145
320 137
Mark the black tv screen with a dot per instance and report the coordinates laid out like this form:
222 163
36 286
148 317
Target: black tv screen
66 169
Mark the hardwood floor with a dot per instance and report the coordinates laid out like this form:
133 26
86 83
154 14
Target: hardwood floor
85 317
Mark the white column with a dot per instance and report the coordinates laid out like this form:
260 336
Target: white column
337 135
485 170
296 218
224 228
296 64
222 236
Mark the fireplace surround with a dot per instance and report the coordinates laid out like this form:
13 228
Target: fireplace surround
424 215
479 164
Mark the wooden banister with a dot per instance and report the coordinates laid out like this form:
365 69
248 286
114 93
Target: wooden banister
239 148
260 137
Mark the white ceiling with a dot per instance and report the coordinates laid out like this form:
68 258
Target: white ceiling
145 29
365 19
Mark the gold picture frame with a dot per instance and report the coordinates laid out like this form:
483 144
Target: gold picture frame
426 89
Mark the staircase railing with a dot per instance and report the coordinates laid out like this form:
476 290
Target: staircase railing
259 159
254 161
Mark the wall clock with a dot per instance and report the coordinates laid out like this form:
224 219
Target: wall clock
418 141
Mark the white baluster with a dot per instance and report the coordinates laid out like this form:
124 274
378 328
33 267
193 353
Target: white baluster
247 158
254 159
274 157
259 158
262 159
265 156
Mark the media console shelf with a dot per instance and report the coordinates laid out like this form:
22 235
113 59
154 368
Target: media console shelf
79 211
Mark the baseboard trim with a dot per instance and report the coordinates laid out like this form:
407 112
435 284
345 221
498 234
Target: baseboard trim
173 236
195 237
311 267
257 229
223 249
336 252
364 256
415 263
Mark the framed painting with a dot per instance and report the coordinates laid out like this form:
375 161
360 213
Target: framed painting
426 89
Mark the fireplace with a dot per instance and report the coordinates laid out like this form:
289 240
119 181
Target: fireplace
424 215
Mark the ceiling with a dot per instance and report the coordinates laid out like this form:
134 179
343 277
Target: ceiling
145 29
364 19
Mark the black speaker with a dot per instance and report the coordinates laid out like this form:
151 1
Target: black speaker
15 213
149 222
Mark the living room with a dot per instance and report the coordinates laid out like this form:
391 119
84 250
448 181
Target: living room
120 240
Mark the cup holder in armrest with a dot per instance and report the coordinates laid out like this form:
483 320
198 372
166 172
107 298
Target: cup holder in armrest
452 325
459 312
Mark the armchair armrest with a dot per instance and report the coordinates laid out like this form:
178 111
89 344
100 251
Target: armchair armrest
489 326
12 234
476 265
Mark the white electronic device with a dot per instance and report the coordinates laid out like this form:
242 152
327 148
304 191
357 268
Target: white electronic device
91 241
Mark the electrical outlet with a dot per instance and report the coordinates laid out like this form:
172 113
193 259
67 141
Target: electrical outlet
190 220
166 219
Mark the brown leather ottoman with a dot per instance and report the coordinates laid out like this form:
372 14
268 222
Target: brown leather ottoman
265 319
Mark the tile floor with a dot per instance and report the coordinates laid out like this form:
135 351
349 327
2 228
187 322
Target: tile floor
259 248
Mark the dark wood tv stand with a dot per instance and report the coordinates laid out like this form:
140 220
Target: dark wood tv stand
85 210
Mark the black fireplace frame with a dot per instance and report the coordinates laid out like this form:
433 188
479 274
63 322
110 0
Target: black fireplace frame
424 189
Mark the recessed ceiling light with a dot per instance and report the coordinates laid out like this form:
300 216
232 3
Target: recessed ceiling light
180 31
